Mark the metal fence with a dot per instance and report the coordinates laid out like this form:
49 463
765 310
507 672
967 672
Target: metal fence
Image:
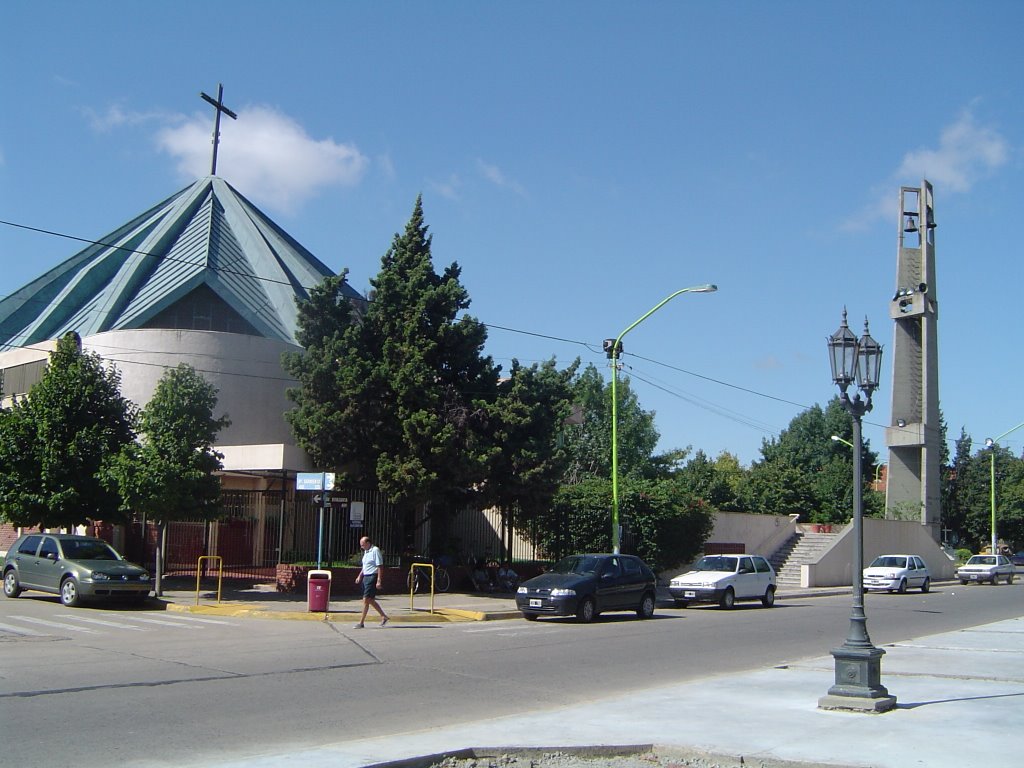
260 529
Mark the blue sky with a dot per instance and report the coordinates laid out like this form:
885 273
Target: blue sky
580 161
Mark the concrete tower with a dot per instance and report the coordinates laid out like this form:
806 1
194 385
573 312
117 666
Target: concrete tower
913 435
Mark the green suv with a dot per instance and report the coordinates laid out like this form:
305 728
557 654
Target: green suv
75 567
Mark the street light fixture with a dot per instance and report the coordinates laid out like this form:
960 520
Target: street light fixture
991 444
613 348
858 668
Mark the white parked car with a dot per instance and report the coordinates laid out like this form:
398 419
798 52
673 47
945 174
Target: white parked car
990 568
897 573
724 579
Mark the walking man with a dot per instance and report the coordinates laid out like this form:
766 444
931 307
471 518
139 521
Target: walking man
371 576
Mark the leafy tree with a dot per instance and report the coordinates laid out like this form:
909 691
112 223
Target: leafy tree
526 421
169 473
324 321
56 444
411 393
954 510
702 479
804 471
665 524
590 443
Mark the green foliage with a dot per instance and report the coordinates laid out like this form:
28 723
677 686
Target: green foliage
325 325
526 422
590 444
56 444
169 473
402 397
805 472
667 524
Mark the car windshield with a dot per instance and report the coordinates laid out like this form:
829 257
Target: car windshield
982 560
88 549
888 561
723 564
577 564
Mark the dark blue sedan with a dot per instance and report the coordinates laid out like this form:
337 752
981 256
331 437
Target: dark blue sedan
587 585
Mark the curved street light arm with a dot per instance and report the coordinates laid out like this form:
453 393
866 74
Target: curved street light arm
615 350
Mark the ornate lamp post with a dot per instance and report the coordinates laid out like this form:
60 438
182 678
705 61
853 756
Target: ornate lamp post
991 443
613 348
858 667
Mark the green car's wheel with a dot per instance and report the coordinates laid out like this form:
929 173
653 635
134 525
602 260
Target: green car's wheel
11 586
69 594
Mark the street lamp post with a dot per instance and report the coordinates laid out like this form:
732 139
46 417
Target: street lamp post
858 667
613 348
991 444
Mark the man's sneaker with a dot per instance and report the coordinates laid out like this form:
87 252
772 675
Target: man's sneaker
358 626
384 621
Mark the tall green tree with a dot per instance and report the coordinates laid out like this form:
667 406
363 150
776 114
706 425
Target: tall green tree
56 443
326 331
590 443
412 391
816 471
169 473
527 421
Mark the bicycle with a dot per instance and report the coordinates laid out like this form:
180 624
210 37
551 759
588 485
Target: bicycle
418 579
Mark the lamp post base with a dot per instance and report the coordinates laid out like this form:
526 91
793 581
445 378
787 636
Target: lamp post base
858 684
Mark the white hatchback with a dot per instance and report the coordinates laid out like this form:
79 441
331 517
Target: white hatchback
724 579
897 573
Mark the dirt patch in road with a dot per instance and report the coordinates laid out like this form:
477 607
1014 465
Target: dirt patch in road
644 756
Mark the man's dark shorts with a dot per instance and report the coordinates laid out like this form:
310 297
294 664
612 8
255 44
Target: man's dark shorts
370 586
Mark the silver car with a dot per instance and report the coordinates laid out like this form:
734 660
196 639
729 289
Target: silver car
74 567
897 573
981 568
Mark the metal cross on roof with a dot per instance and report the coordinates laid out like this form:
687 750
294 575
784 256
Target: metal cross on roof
218 105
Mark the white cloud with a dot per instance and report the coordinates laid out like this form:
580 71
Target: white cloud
267 155
967 152
448 189
494 175
116 117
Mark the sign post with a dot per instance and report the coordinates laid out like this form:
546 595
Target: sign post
317 481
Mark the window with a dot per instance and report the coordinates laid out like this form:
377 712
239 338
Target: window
49 549
631 566
29 545
761 565
746 566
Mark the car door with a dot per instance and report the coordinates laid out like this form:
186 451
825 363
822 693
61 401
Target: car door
918 572
746 578
27 559
764 575
633 582
609 585
49 564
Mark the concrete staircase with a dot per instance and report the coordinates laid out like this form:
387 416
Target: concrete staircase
801 549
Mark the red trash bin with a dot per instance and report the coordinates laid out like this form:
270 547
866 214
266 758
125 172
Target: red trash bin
319 590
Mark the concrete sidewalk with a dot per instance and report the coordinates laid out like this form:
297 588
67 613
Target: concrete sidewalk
960 702
264 602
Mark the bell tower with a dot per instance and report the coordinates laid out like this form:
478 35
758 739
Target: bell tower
913 435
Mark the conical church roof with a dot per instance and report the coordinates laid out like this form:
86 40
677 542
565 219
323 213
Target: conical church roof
203 259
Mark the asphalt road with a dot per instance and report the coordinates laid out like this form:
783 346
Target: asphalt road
93 686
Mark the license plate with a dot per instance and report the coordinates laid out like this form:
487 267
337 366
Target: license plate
689 593
536 602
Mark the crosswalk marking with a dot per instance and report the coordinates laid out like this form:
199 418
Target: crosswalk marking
56 624
21 630
102 622
165 623
204 621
